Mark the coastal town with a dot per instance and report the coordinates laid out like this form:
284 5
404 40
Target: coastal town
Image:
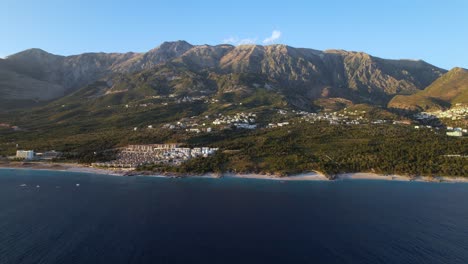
133 156
242 120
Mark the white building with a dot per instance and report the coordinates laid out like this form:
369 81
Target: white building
244 125
455 134
25 154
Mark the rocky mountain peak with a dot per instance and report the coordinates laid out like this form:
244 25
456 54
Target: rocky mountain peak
458 70
34 53
178 47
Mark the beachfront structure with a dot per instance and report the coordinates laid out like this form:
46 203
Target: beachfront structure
48 155
239 120
25 154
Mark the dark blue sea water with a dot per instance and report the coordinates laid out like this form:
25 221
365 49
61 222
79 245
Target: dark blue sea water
110 219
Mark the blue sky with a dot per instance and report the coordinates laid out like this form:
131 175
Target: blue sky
435 31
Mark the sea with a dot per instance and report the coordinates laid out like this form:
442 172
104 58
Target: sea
64 217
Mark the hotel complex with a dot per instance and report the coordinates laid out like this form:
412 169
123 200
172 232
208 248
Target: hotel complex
25 154
133 156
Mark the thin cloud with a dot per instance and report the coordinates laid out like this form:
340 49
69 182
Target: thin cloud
236 41
247 41
230 40
275 35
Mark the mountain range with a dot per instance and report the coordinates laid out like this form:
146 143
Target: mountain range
305 78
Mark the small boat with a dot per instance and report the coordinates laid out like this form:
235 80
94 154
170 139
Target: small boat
77 185
23 185
37 186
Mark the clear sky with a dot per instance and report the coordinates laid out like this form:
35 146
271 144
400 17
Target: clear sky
435 31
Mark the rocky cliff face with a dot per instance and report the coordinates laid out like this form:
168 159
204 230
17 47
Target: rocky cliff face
354 75
297 73
31 71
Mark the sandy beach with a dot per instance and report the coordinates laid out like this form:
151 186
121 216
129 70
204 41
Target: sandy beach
70 167
309 176
373 176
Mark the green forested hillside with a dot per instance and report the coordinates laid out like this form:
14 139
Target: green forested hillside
333 149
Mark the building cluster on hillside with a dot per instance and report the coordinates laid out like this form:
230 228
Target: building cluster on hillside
133 156
193 124
189 99
199 130
283 112
346 117
336 118
239 120
457 113
456 132
172 98
207 124
279 124
449 131
8 126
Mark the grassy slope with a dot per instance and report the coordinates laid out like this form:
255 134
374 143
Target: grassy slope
449 89
332 149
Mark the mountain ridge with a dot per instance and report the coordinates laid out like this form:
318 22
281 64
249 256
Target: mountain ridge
298 73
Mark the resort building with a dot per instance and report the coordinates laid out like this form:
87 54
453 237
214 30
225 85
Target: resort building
151 147
48 155
25 154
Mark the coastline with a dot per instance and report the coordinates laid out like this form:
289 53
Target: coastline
65 167
308 176
374 176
